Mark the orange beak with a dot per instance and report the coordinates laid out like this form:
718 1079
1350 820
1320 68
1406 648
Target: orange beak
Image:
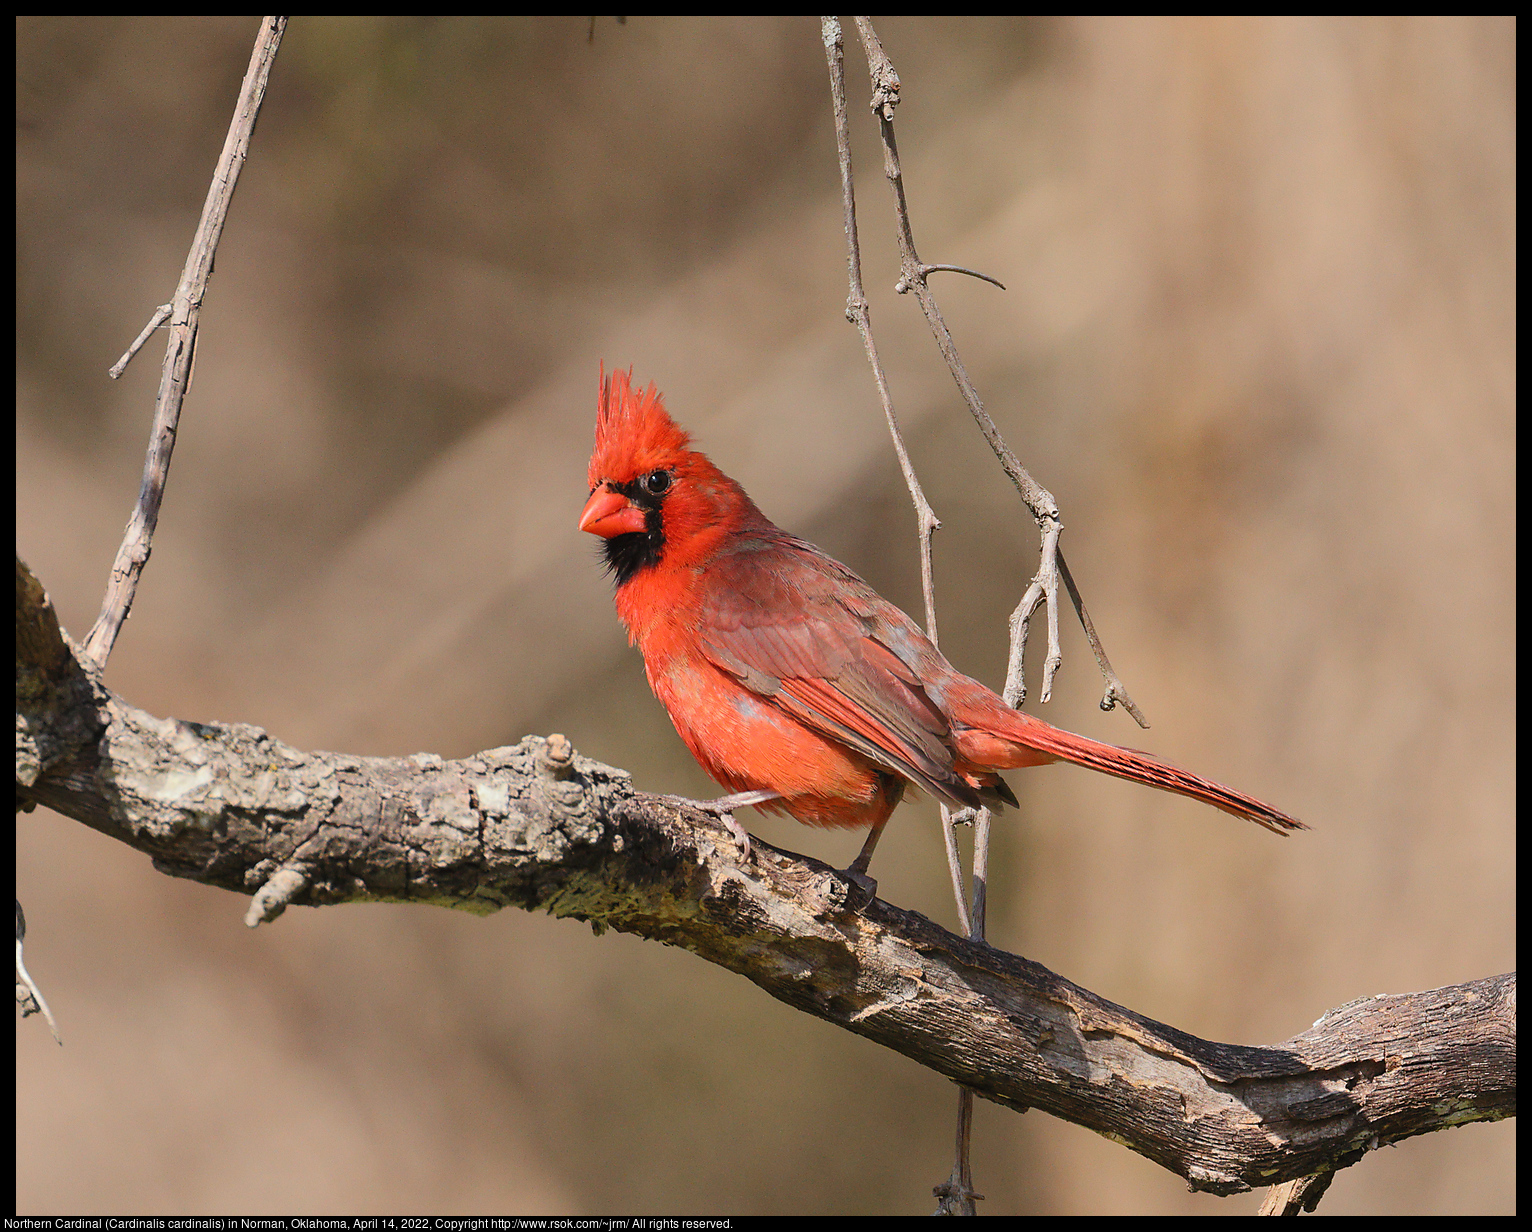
609 514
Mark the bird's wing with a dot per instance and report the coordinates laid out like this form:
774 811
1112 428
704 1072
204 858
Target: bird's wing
802 631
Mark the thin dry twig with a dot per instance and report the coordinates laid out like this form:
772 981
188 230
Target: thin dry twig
858 313
28 995
885 97
950 822
160 315
175 376
951 269
1115 692
957 1194
1044 587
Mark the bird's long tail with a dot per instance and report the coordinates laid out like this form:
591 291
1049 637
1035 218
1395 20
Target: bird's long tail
1012 738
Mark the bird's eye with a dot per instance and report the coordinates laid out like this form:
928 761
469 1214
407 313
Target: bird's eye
657 483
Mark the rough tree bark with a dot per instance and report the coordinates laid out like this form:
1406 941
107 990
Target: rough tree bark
538 827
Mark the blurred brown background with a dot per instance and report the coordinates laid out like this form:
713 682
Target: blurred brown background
1258 342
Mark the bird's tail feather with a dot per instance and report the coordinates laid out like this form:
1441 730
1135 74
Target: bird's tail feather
1016 739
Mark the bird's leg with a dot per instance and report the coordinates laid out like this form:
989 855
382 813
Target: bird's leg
723 809
857 872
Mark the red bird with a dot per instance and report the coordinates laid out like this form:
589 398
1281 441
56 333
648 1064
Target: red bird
790 679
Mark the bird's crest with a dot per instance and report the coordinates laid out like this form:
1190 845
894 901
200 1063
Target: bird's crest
633 432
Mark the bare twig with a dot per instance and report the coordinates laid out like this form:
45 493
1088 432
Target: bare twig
1044 587
885 97
950 822
184 310
28 995
858 313
158 319
956 1196
1114 689
951 269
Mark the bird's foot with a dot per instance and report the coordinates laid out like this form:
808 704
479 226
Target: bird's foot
856 874
864 889
723 809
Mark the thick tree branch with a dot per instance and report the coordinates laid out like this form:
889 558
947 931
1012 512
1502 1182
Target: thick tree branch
535 826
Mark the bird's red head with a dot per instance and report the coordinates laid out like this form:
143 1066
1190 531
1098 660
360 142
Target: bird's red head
652 496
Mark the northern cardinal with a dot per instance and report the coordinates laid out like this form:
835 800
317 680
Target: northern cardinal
790 679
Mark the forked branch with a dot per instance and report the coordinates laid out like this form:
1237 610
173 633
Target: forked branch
183 312
859 314
913 277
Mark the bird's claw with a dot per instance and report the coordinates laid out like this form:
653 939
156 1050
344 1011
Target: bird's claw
723 809
863 884
741 835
